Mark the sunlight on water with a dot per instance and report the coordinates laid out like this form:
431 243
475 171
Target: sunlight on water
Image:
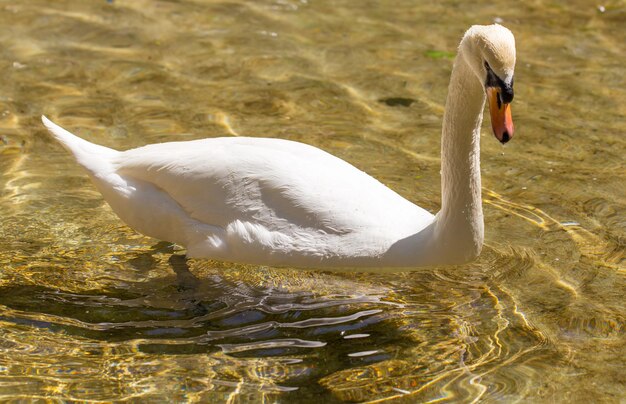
90 310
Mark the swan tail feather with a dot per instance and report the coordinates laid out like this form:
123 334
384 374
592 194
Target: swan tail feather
93 157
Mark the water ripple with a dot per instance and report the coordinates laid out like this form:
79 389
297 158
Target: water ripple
277 343
92 311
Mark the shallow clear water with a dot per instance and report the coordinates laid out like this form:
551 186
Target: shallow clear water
90 310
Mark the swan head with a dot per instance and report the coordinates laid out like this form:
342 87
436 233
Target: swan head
489 50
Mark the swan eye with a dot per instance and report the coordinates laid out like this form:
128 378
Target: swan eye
492 80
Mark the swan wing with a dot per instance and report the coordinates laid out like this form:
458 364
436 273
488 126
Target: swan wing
278 184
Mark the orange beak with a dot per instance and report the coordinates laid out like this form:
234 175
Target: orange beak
501 120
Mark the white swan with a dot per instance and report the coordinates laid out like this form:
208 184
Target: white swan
278 202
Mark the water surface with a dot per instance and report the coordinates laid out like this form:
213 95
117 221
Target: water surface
90 310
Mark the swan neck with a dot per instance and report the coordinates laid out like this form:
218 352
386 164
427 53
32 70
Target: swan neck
459 224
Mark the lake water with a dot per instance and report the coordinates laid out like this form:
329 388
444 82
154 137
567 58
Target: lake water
90 310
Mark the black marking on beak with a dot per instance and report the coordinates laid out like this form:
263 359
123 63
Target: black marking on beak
506 90
505 137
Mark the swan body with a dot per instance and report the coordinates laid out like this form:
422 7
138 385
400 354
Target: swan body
278 202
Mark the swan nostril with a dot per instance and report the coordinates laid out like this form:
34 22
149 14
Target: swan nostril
505 137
